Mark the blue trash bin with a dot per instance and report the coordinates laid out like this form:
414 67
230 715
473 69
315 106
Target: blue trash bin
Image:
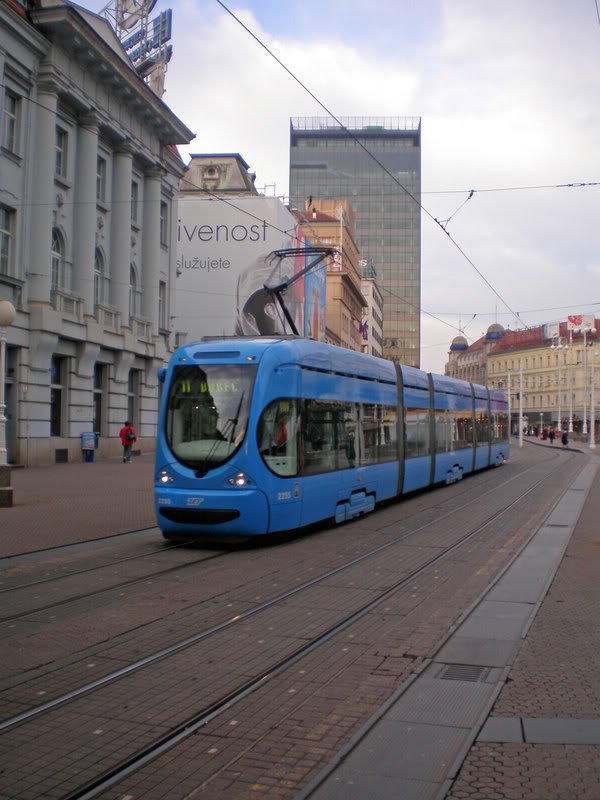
88 444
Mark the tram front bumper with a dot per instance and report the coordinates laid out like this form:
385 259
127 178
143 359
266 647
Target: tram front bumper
242 512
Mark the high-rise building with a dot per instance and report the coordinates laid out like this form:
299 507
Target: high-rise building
374 163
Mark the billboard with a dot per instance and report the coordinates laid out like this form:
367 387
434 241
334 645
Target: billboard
224 260
580 322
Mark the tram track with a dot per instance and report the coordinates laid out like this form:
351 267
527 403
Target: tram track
108 565
103 590
205 715
177 647
243 689
78 543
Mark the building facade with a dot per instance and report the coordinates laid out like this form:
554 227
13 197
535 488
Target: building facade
220 173
329 222
470 362
552 378
327 160
90 173
372 321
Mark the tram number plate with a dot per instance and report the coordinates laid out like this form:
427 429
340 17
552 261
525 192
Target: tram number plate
284 495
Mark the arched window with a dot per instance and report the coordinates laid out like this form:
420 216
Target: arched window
99 278
57 260
135 293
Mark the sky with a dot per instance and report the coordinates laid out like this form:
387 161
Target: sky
508 95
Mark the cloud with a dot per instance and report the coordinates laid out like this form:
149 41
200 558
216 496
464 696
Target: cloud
508 96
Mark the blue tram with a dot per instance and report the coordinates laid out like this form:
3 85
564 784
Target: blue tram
258 435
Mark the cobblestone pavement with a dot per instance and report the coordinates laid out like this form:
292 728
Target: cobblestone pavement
555 678
66 503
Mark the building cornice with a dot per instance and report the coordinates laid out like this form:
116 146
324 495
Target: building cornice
10 14
67 29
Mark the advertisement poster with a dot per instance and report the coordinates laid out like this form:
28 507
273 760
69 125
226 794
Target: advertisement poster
315 282
224 259
580 322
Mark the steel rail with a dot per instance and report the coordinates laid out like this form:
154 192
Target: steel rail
112 776
190 641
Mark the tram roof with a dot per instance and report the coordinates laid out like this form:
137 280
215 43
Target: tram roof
305 352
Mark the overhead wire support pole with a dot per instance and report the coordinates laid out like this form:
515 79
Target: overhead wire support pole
278 290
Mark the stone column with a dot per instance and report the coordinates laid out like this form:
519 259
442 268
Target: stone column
151 247
120 239
84 217
42 190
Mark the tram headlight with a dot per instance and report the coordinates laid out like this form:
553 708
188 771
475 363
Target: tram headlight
164 477
239 479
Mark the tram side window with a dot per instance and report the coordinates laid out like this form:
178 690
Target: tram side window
379 434
482 426
330 436
388 448
277 436
463 429
371 432
417 432
499 426
444 423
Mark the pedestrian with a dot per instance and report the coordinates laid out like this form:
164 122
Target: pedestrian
564 439
128 437
551 435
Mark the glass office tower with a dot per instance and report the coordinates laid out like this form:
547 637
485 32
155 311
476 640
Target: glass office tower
327 160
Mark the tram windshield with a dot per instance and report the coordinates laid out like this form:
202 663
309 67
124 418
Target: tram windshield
207 412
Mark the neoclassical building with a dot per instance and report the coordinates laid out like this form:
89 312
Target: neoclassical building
469 362
89 179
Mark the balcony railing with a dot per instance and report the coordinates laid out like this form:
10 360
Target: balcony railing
108 317
141 329
68 305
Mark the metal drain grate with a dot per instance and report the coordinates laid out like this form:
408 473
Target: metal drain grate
464 672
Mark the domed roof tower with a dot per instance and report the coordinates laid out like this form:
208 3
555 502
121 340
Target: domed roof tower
459 343
495 331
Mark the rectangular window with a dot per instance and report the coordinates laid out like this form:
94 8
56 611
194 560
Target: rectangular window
58 367
6 239
499 425
482 424
164 222
330 436
462 429
443 430
134 201
162 305
61 153
133 388
12 113
100 379
417 431
101 180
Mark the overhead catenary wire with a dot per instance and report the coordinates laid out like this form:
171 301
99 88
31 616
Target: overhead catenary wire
382 166
443 224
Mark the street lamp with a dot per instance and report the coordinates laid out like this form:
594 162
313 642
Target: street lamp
520 402
570 382
558 346
585 344
7 317
593 406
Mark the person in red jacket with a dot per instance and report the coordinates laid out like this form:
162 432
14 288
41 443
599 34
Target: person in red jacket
128 437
